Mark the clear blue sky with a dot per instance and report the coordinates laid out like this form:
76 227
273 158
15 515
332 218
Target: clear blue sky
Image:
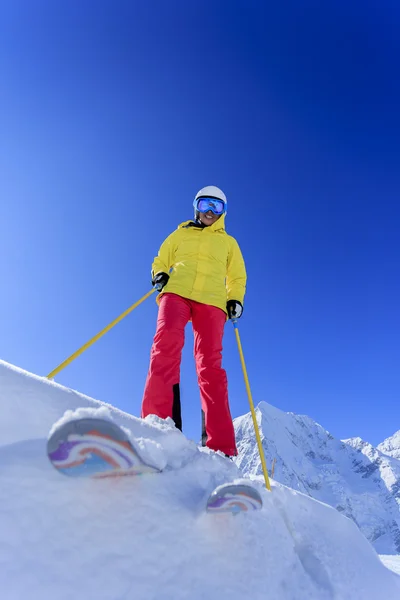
114 114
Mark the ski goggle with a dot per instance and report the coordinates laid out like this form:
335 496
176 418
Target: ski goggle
203 205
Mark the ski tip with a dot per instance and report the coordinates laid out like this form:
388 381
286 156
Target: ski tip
93 447
234 498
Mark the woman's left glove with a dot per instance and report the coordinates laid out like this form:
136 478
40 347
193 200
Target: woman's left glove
234 309
159 281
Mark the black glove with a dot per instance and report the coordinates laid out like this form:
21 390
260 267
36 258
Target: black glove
234 309
159 281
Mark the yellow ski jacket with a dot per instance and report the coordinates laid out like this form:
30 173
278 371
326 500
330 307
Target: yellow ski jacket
204 264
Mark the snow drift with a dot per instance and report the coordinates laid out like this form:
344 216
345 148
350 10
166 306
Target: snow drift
148 537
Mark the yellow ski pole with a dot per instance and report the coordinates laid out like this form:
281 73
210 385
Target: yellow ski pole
97 337
253 413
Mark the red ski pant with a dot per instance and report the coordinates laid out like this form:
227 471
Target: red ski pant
162 384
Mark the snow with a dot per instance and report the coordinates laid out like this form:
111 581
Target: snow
391 562
148 537
351 475
391 446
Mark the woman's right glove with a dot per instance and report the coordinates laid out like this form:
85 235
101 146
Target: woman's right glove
159 281
234 309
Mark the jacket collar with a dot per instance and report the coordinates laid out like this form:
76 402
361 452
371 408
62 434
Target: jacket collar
219 225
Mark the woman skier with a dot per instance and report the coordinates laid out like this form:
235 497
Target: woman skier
201 277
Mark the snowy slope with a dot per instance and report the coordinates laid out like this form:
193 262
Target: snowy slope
391 446
350 475
387 466
147 537
391 562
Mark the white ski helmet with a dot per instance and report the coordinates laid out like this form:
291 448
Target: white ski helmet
210 191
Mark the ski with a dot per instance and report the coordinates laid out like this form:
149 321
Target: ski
234 498
98 448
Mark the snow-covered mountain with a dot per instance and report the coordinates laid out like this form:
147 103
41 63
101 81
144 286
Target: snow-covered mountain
357 479
391 446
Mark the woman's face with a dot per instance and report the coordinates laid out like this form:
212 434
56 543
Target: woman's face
208 218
